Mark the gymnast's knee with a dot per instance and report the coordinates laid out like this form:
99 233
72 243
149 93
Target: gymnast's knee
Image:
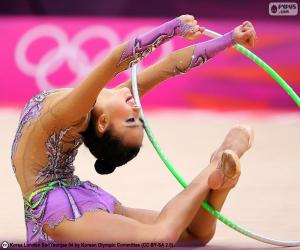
59 232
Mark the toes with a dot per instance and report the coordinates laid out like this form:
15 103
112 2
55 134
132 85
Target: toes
242 137
239 139
247 130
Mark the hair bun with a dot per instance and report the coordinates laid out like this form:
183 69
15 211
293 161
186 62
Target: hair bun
103 167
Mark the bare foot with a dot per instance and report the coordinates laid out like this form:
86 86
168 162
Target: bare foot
239 139
227 173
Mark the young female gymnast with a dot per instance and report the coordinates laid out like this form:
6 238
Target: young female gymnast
61 208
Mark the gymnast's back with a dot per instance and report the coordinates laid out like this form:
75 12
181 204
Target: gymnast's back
45 145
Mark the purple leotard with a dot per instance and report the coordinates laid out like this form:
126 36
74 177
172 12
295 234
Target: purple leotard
68 197
61 203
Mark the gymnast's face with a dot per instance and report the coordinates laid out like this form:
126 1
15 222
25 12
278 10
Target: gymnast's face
116 110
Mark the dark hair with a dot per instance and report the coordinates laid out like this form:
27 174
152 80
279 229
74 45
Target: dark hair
107 148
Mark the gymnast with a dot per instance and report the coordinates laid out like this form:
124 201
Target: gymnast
59 207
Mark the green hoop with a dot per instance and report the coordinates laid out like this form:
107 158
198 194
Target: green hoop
183 183
261 64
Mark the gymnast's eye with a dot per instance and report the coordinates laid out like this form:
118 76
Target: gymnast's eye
130 120
141 120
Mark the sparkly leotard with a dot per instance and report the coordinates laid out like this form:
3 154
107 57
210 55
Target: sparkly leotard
63 195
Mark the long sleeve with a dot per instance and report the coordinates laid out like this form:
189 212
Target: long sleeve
180 61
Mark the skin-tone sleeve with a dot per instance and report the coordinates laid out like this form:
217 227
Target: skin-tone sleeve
78 102
179 62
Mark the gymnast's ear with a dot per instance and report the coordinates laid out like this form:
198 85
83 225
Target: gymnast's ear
102 123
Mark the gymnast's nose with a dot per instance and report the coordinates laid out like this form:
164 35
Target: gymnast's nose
136 109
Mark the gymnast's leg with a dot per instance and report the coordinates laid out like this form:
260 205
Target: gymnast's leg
239 139
168 226
202 227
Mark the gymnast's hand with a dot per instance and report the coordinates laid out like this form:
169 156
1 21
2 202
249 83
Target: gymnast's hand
245 34
194 30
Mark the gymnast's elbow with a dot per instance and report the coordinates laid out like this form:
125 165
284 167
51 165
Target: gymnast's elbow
175 65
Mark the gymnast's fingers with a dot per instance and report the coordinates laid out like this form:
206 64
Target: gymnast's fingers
201 29
252 41
249 38
254 34
196 28
187 19
247 24
252 37
196 35
193 36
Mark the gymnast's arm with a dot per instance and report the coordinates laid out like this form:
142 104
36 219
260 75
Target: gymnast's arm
78 102
183 60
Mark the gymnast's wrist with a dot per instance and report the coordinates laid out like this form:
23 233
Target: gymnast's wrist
229 39
175 27
180 26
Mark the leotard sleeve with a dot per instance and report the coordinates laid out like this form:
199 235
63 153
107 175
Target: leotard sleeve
180 61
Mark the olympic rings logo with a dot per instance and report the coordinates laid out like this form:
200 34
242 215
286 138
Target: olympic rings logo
69 51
